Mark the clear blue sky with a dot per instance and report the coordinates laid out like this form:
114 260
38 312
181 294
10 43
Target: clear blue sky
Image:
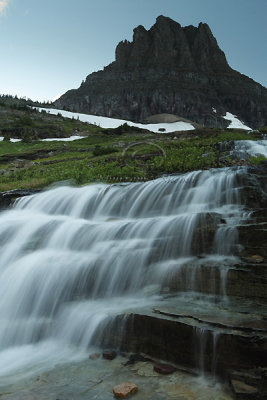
50 46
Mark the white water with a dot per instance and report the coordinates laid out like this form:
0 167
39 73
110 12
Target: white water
72 258
202 352
245 148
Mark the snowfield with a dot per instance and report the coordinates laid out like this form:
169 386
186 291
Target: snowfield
105 122
235 122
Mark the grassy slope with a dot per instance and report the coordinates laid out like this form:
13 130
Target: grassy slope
104 155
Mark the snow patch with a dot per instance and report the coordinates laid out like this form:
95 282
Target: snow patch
15 140
11 140
67 139
214 110
235 122
105 122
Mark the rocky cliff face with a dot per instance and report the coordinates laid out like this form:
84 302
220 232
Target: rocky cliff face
170 69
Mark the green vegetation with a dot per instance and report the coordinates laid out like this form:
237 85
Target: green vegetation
19 120
109 155
101 151
263 130
257 160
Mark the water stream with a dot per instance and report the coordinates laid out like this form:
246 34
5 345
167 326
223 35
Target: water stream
72 258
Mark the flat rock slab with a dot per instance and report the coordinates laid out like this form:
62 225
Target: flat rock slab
243 388
124 390
95 379
246 316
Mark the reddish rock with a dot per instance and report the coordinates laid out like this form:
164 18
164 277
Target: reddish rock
109 354
257 258
124 390
164 369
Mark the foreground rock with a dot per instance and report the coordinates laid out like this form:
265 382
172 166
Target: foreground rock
109 354
124 390
90 380
242 388
9 197
164 369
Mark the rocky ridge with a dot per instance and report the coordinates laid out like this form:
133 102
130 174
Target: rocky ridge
174 70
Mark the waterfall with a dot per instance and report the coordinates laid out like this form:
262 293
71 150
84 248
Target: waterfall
246 148
204 337
72 258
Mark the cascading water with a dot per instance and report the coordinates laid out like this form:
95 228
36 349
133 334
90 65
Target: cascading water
72 258
246 148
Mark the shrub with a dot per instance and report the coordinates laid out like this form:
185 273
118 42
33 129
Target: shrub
101 151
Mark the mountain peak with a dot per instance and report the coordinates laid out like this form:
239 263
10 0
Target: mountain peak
170 69
167 43
161 19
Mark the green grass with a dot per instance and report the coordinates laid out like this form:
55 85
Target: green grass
108 157
257 160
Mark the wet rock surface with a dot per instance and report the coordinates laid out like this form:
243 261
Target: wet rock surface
8 198
204 339
217 328
242 388
90 380
251 384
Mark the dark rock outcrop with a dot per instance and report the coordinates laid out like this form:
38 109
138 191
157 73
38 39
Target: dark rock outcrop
9 197
170 69
109 354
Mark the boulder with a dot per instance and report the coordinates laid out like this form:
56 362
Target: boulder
109 354
164 369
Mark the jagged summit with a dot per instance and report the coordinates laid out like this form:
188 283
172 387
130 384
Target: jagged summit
170 69
167 44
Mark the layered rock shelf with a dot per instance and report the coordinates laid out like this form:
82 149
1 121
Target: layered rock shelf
207 331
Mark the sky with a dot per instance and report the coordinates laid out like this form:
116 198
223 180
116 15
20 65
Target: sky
49 46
